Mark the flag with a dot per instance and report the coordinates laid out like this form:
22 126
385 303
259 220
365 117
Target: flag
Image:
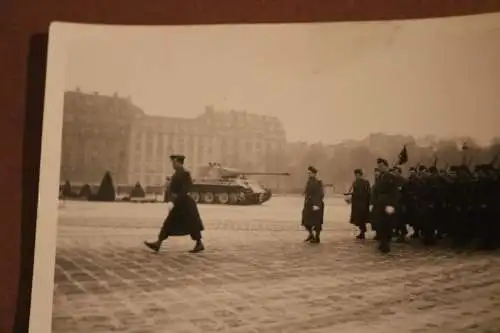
403 156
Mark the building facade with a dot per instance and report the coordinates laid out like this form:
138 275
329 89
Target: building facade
110 133
95 136
232 138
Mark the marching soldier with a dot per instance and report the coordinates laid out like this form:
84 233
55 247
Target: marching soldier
409 202
386 189
373 219
423 202
447 211
360 202
398 221
183 217
313 211
464 199
439 191
455 205
430 208
486 195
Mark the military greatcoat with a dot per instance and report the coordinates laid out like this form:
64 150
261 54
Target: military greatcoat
313 196
360 202
184 219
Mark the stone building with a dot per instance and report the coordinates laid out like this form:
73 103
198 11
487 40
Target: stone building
110 133
232 138
95 136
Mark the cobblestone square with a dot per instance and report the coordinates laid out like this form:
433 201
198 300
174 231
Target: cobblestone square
257 275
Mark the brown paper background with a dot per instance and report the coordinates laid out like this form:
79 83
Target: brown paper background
23 28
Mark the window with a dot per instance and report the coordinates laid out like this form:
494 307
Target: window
149 146
170 143
200 155
159 145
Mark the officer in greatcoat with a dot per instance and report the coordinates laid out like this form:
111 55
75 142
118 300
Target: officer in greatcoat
409 203
183 216
313 211
399 224
360 203
386 190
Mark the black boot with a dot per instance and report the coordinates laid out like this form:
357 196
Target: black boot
309 238
316 239
384 247
199 247
155 246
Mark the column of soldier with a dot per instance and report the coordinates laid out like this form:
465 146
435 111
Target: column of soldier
458 205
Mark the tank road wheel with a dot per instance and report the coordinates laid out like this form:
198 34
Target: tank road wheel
195 196
233 198
208 198
223 198
242 198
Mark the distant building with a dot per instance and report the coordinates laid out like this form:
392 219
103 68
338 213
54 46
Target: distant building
95 136
233 138
110 133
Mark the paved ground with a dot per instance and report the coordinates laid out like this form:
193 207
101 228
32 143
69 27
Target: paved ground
258 276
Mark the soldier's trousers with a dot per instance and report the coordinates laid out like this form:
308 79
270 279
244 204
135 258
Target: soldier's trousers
410 217
439 221
461 233
487 227
316 227
385 225
400 223
427 220
447 220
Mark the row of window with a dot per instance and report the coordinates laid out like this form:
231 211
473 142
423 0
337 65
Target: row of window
161 143
206 124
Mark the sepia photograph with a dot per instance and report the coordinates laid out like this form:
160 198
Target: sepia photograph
312 177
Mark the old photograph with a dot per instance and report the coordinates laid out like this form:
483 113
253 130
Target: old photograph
313 177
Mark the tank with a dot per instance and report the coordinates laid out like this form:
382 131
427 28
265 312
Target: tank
216 184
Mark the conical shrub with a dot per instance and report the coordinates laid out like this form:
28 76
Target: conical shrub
66 190
137 191
106 190
85 192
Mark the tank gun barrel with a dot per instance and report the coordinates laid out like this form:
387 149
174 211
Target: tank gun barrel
265 173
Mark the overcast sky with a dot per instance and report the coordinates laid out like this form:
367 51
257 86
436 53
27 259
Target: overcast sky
327 82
